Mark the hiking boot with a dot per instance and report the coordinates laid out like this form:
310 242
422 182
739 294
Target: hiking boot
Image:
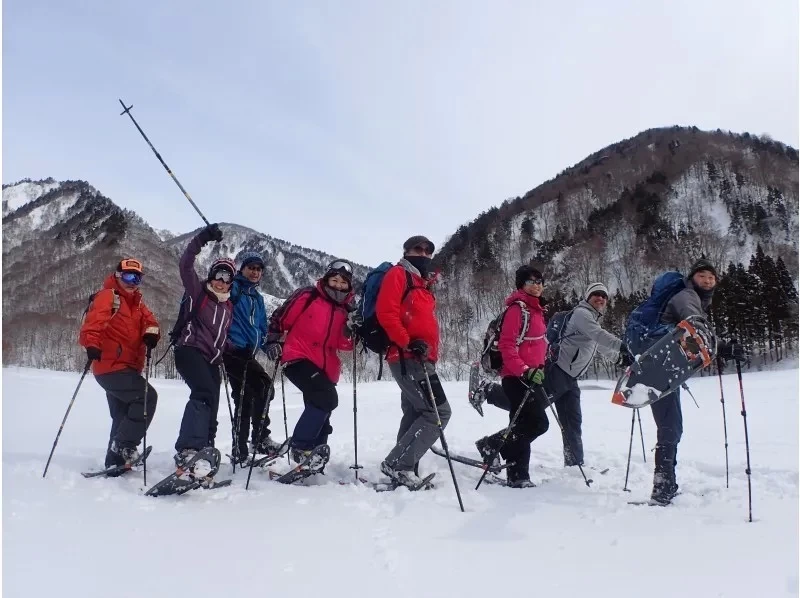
487 447
664 489
401 476
300 455
523 483
130 455
268 446
119 456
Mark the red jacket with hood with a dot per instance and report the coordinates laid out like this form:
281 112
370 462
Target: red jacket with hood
531 352
312 324
118 334
407 319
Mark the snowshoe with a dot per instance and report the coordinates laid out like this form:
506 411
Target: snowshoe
194 469
310 463
666 365
476 393
118 470
497 468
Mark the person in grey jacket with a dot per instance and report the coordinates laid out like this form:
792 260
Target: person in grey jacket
582 337
199 349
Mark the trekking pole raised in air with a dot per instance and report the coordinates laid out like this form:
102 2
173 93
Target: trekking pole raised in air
641 434
724 417
270 395
146 389
746 444
355 466
64 421
234 429
441 433
630 450
127 110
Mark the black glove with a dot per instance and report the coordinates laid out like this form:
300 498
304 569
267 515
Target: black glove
733 350
273 351
210 233
354 321
150 340
419 348
93 353
625 357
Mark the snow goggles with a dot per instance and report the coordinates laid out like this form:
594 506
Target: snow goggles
134 278
341 267
223 275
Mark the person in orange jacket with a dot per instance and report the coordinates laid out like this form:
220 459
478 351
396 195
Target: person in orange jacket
406 309
118 331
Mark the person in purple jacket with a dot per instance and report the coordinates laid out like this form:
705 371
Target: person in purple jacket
199 349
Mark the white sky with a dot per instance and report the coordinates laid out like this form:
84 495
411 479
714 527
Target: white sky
350 126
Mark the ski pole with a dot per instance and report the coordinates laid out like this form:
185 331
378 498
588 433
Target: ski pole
64 421
505 434
441 433
746 444
724 417
355 467
641 434
237 410
270 394
285 423
127 110
146 389
230 411
630 450
563 432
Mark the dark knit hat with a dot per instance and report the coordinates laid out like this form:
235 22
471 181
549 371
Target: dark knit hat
251 257
701 265
524 273
416 241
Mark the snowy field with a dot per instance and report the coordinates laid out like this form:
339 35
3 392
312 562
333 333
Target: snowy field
71 537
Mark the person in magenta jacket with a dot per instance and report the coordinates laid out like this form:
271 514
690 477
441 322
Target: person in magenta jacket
306 333
523 353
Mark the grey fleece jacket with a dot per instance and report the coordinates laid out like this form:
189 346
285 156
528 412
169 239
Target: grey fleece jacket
582 337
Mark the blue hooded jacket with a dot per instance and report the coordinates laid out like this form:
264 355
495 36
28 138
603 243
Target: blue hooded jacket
249 327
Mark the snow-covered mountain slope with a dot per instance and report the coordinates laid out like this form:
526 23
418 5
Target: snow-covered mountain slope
102 537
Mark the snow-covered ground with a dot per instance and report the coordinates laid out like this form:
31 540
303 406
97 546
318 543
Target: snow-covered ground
71 537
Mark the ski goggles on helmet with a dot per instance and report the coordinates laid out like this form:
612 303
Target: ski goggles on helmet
134 278
131 265
222 274
341 267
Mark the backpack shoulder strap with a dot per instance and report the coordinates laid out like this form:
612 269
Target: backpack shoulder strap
526 320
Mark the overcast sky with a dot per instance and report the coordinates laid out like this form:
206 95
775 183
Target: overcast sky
350 126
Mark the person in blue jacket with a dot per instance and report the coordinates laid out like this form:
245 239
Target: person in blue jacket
252 386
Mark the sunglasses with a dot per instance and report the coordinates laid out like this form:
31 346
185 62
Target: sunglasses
426 249
535 281
341 266
133 278
599 294
222 275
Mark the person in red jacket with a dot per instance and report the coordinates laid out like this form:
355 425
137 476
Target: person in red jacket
118 331
306 333
523 353
406 311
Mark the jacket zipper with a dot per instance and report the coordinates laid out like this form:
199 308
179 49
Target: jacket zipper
327 336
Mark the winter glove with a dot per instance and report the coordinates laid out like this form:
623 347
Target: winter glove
625 358
533 376
419 348
273 351
150 340
354 321
93 353
210 233
733 350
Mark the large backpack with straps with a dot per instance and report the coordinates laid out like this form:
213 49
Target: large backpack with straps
371 332
491 358
556 328
644 325
114 304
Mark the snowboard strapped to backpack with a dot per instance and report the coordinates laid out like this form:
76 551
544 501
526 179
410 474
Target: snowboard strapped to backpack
644 325
491 358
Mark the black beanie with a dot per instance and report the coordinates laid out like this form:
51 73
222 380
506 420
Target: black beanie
700 265
526 273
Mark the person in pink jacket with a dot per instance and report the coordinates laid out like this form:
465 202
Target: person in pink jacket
306 333
523 353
